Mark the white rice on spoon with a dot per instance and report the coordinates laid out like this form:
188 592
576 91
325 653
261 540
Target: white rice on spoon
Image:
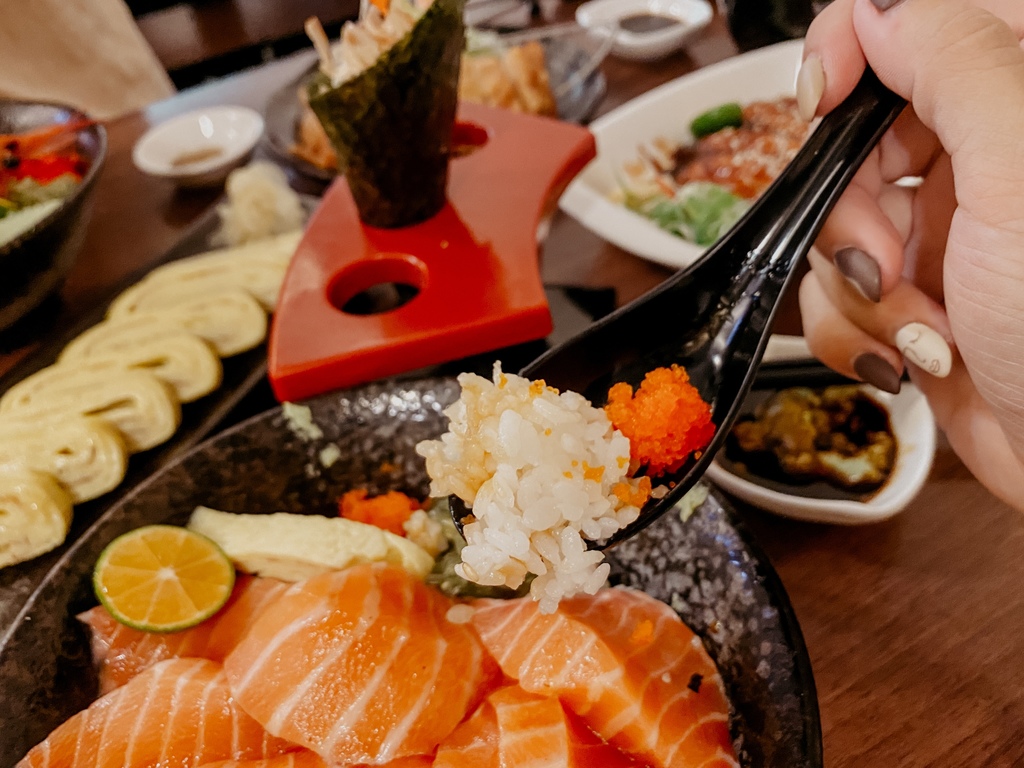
543 471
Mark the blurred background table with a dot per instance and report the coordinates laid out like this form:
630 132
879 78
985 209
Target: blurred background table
913 625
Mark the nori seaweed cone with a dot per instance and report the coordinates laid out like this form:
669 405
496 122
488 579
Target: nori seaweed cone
391 125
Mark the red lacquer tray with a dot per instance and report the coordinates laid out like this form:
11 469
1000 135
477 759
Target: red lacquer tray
475 264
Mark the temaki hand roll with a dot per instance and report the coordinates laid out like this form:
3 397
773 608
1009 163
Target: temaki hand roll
386 96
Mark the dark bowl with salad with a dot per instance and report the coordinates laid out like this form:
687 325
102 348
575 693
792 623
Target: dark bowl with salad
50 155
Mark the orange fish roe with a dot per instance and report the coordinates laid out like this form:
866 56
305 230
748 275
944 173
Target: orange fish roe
665 421
388 511
634 497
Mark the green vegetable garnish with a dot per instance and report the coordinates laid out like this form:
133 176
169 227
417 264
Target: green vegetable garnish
27 191
444 576
724 116
699 212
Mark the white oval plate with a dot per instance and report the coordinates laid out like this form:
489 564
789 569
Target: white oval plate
914 427
602 16
233 131
667 111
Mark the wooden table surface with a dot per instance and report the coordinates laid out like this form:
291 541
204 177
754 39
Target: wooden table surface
915 626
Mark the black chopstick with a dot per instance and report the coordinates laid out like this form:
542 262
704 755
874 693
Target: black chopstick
798 373
801 373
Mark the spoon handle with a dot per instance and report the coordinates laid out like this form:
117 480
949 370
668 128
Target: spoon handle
756 260
761 254
792 211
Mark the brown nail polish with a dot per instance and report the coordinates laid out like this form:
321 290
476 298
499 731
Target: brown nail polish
876 371
861 270
885 5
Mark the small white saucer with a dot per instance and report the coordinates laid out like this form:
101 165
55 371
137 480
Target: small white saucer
914 428
200 148
601 17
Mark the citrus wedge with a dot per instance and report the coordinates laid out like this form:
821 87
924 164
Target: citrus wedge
162 578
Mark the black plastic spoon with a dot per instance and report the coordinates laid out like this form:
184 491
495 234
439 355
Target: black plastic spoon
714 318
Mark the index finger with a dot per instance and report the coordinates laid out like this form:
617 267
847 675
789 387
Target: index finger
833 39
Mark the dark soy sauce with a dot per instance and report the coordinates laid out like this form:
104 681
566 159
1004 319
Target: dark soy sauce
645 23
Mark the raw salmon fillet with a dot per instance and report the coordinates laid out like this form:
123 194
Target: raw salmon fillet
121 652
178 713
626 664
361 666
300 758
305 758
516 729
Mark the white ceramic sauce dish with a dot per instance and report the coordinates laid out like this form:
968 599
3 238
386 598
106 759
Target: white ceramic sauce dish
914 428
199 148
645 30
667 111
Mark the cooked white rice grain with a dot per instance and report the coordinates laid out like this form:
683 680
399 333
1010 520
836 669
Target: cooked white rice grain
540 470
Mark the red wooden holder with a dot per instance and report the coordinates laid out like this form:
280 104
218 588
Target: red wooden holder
475 264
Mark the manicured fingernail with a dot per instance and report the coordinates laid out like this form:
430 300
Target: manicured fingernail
810 85
861 270
885 5
925 348
876 371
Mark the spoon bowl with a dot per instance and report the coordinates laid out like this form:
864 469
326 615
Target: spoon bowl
714 317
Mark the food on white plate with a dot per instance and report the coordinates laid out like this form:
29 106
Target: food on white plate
295 547
839 434
35 513
257 267
143 408
259 204
699 186
545 471
86 454
230 319
179 358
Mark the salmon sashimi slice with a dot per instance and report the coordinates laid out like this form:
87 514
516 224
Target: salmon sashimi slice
120 652
626 664
363 665
515 728
473 744
307 758
178 713
300 758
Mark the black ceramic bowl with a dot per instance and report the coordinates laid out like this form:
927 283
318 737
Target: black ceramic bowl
706 567
34 264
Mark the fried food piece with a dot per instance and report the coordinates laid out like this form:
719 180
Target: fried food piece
516 80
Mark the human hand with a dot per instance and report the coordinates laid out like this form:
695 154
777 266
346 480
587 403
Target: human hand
932 274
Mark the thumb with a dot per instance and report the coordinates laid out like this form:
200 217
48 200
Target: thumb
963 69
